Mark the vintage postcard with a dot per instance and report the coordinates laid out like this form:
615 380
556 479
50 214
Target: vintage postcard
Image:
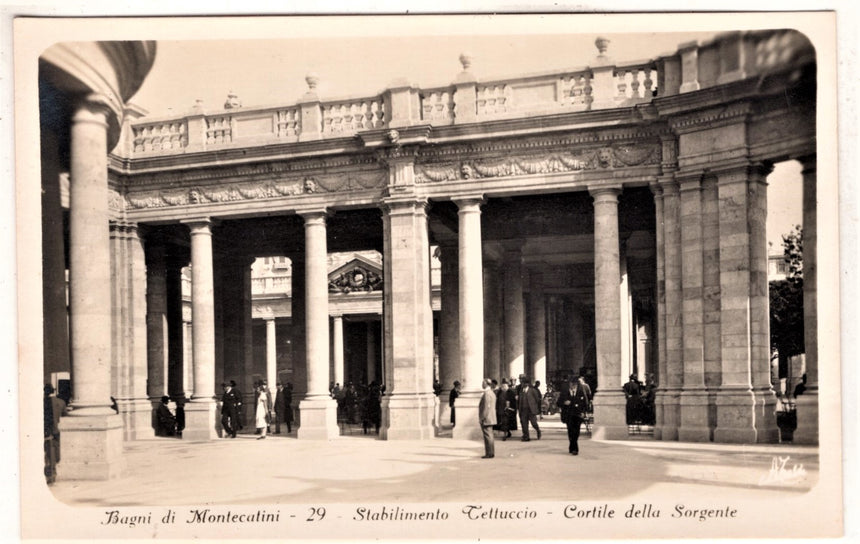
457 277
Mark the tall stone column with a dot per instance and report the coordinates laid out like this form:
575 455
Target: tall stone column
745 402
674 332
298 329
471 318
408 406
693 402
175 349
55 330
319 411
807 403
711 308
552 359
201 422
92 435
129 308
660 290
609 404
514 338
372 352
188 362
537 334
337 348
449 330
493 316
156 319
271 352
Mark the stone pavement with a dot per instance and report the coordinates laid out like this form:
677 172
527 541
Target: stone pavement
359 468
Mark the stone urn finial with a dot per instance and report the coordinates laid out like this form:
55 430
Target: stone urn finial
198 105
232 101
466 61
312 80
602 45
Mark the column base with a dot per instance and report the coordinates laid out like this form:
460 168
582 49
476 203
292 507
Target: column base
671 415
468 422
319 419
745 416
610 416
693 411
91 447
658 418
202 420
408 416
807 418
137 418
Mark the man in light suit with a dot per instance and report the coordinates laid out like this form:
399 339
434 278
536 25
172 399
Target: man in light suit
573 402
528 403
487 416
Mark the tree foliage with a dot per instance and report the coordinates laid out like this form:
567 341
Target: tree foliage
786 301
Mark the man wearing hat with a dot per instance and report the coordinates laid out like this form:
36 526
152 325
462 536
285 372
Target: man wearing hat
573 404
164 419
528 402
455 392
229 411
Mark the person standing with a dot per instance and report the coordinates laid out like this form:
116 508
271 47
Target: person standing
506 404
529 406
229 411
281 407
455 392
632 392
51 421
487 418
239 422
164 419
261 412
573 402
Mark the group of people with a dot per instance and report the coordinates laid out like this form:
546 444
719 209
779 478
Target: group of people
266 409
499 406
360 404
640 408
169 423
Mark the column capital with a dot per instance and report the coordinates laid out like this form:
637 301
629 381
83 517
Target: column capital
608 193
269 318
93 108
199 225
741 172
809 163
690 180
394 205
314 215
470 203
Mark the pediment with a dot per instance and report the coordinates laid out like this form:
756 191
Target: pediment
358 275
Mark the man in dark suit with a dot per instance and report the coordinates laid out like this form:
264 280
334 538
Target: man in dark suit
229 411
487 418
528 403
281 408
166 422
573 402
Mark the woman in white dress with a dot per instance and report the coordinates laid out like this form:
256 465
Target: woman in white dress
261 415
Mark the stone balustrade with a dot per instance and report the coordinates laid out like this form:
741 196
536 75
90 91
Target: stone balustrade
604 85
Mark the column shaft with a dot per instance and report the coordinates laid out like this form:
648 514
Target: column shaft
711 308
660 326
673 379
449 330
514 352
693 402
807 403
271 353
338 348
471 318
537 335
493 317
175 349
609 408
200 412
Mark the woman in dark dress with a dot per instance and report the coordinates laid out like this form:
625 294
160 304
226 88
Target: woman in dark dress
506 409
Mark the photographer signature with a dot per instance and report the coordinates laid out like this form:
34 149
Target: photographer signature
779 473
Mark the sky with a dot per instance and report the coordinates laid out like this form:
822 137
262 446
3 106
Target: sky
272 71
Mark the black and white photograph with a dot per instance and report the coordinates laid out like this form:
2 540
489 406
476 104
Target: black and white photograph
436 277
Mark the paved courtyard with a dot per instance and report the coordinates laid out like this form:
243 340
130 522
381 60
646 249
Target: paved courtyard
359 468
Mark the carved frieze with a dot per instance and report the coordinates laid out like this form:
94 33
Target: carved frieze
355 280
620 156
115 201
255 190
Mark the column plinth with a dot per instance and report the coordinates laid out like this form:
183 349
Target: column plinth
319 411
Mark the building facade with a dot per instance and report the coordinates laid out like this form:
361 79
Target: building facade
606 221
